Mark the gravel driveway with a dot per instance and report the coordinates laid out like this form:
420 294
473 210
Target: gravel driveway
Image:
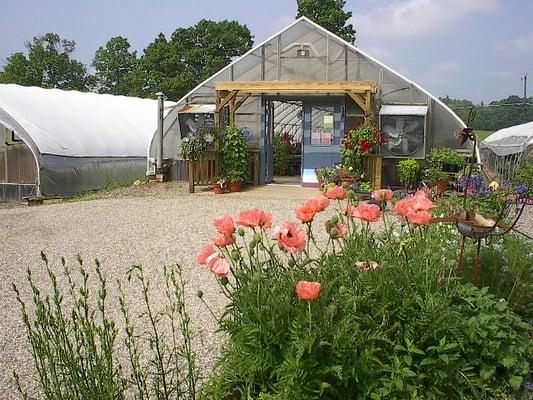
152 229
170 227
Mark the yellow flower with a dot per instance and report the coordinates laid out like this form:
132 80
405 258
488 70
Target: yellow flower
494 185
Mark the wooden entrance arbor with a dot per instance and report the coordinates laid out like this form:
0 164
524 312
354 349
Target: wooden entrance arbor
233 94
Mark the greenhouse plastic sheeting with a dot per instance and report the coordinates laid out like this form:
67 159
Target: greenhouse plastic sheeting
79 141
329 59
515 139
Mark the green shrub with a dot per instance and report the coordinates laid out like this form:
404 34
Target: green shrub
409 172
445 158
282 152
234 155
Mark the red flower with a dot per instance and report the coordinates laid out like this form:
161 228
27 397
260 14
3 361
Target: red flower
224 225
222 240
307 290
219 266
419 218
291 237
255 217
336 193
382 194
364 146
305 213
201 258
365 212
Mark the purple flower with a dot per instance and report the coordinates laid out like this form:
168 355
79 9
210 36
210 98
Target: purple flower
522 188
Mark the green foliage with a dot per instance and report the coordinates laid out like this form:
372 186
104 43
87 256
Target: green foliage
74 340
191 55
408 329
524 174
234 155
193 148
409 172
282 152
49 64
330 14
446 159
115 66
496 115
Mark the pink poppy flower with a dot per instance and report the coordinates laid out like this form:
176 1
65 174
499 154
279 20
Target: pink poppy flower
219 266
317 204
291 237
336 193
382 194
254 218
342 231
419 218
307 290
305 213
418 202
365 212
266 220
201 258
224 225
222 240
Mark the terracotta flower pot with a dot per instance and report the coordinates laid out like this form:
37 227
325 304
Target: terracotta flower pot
442 185
218 190
234 186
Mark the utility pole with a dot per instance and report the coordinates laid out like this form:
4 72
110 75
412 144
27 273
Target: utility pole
524 78
160 117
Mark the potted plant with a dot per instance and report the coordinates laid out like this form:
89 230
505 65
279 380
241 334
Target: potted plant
234 157
361 141
326 175
437 178
446 159
234 180
409 172
219 186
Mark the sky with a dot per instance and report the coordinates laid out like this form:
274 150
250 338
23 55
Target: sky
473 49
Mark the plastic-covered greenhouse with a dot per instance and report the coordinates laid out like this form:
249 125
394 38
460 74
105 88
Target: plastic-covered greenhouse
309 84
56 142
503 151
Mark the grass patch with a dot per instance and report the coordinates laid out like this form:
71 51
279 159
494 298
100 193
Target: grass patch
482 135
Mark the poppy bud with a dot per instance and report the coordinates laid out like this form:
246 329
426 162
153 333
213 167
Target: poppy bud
200 294
235 255
240 232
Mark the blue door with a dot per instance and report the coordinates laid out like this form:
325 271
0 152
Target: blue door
323 130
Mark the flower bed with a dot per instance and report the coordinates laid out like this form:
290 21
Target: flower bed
365 315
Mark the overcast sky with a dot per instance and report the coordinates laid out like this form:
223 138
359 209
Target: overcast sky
475 49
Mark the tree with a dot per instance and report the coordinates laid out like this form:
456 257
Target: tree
49 64
115 66
191 55
330 14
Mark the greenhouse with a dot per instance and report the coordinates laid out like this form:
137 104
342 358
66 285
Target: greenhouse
56 143
307 84
504 150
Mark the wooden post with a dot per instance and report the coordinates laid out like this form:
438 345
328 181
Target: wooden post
368 104
191 176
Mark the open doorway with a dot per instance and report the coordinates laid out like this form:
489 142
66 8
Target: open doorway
287 129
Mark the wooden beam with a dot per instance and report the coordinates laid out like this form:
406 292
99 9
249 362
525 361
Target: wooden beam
226 100
311 87
368 104
242 100
358 100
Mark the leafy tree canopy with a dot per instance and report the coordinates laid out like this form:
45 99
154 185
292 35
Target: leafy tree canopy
330 14
496 115
191 55
49 64
115 66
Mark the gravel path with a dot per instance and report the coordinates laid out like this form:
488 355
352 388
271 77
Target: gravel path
151 229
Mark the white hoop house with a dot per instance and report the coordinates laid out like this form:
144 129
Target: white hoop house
56 142
503 151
